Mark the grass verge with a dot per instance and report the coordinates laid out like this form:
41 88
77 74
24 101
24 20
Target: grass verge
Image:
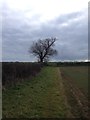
41 97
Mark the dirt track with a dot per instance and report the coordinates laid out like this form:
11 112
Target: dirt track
76 99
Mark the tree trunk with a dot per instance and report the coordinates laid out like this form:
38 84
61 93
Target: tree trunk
41 60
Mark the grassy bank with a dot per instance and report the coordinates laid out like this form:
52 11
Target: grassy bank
41 97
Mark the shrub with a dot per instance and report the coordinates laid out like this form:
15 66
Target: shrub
13 72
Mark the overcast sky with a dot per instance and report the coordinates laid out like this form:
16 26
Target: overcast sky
24 21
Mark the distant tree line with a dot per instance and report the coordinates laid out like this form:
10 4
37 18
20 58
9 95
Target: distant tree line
73 63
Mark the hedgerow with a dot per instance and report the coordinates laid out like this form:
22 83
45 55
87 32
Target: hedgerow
14 72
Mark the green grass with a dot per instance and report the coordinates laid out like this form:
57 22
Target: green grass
40 97
79 75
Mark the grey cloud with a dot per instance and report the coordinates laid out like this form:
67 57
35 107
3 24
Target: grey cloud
19 33
66 17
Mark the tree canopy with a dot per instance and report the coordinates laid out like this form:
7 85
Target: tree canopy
43 49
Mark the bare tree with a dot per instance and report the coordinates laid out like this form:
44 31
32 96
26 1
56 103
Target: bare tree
43 49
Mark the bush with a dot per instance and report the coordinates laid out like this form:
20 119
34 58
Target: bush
13 72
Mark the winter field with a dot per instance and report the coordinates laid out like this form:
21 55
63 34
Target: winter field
54 92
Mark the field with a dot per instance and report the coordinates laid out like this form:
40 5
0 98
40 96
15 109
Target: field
75 80
79 75
52 93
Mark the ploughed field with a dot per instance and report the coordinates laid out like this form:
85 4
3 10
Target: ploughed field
55 92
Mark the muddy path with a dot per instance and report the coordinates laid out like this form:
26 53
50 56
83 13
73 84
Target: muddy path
76 99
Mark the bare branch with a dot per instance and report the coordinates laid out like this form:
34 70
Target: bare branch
43 49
